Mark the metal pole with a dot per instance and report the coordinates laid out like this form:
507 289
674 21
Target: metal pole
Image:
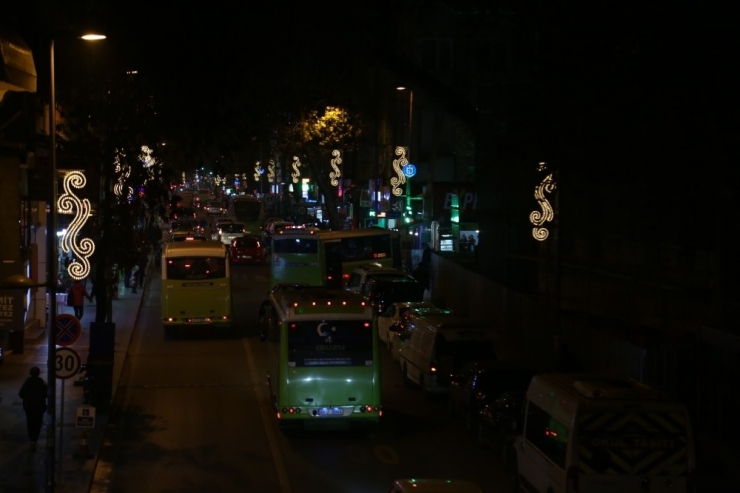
51 246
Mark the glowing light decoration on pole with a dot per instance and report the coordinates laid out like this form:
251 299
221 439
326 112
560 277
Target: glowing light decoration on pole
537 218
69 203
296 171
335 164
398 165
257 171
271 171
123 170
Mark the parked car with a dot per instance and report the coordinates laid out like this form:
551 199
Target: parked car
394 315
360 275
380 291
230 231
500 421
247 250
479 382
438 345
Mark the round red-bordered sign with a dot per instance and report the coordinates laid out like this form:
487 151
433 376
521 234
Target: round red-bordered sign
68 329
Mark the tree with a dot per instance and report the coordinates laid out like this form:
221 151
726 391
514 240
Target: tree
313 137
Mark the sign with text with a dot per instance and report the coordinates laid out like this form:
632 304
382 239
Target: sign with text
11 310
85 417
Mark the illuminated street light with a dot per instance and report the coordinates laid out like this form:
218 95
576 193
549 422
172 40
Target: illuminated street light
51 279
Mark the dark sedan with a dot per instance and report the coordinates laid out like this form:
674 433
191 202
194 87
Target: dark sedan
480 383
246 250
500 421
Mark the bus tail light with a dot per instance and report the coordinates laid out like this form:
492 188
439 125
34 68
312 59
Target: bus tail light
169 319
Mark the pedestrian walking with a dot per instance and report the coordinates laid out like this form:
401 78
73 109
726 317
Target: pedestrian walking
134 278
33 393
76 297
143 260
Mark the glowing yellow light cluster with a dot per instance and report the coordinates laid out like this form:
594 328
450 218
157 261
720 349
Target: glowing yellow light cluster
398 165
538 218
296 172
271 171
335 164
69 203
257 171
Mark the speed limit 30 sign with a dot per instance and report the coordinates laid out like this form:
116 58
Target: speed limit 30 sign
67 363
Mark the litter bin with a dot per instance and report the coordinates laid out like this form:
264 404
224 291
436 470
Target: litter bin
15 341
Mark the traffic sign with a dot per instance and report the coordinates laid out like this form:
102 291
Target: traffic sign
68 329
67 363
85 416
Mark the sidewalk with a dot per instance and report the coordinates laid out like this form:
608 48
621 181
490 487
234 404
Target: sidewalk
22 469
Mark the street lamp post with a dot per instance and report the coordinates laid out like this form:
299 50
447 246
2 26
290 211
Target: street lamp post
51 248
51 281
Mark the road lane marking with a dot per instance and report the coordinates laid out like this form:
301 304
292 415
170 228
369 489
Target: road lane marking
277 458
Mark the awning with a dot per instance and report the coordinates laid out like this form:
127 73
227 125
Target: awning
17 70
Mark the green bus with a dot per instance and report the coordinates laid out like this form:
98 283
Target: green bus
196 286
294 258
327 258
323 358
250 211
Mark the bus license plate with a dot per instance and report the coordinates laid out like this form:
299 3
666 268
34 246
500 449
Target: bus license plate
198 320
330 411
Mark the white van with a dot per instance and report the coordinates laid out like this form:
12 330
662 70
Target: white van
601 434
438 344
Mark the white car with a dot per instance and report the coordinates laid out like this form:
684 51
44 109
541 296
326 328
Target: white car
394 315
229 231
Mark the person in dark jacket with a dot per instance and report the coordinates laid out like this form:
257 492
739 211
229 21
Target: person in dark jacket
33 393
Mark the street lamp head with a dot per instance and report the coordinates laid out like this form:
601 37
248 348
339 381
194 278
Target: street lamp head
401 88
92 37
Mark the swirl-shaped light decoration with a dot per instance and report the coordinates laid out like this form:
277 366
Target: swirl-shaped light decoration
398 165
335 164
123 170
547 214
146 157
271 171
257 171
69 203
296 172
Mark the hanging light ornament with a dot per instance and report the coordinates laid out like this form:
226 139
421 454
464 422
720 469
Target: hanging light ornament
398 165
335 162
296 171
69 203
537 218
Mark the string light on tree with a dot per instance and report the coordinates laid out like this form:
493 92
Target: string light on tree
69 203
538 218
